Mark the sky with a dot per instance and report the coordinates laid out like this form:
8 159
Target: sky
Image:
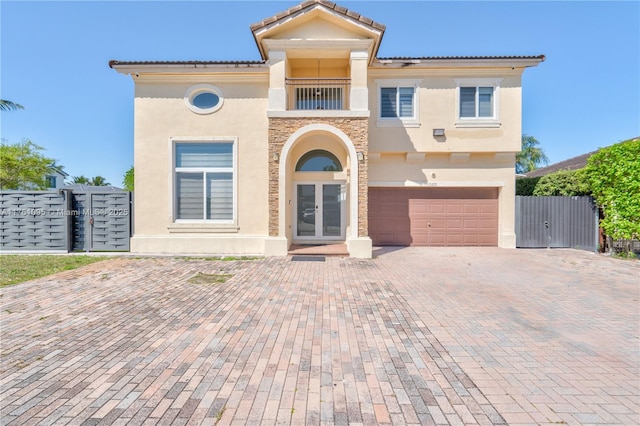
54 61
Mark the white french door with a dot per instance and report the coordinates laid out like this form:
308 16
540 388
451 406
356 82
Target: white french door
319 211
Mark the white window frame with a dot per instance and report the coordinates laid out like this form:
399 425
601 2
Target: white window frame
399 121
198 89
493 121
174 141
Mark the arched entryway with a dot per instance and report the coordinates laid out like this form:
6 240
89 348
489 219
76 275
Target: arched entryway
319 198
318 186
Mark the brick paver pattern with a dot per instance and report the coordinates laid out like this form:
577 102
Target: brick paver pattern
414 336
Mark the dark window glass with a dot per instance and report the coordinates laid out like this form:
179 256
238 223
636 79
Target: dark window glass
318 160
205 100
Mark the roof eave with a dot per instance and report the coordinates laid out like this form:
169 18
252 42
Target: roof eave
466 61
186 67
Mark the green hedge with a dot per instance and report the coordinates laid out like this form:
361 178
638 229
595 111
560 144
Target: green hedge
526 185
614 176
566 183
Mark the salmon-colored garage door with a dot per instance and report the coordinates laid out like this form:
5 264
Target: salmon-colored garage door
433 216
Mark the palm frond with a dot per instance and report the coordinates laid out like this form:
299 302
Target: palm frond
9 106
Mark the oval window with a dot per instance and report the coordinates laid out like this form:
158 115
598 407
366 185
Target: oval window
203 99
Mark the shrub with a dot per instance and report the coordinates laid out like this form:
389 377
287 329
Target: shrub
526 185
566 183
614 176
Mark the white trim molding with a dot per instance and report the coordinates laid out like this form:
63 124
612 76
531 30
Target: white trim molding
448 184
199 89
398 121
177 225
494 120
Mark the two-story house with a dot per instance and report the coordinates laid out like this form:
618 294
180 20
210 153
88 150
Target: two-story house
323 142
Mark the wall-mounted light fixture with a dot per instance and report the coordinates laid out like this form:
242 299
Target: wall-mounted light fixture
438 132
360 156
276 156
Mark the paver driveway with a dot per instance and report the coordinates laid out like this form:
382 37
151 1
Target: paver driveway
415 336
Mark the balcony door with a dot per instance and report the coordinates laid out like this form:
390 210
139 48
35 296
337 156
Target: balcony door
319 212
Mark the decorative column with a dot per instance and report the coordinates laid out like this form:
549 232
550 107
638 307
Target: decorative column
359 95
277 77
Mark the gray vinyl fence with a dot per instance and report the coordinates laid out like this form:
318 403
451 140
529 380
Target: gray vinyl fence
556 222
64 221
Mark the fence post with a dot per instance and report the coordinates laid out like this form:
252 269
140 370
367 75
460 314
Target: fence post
67 194
546 225
597 231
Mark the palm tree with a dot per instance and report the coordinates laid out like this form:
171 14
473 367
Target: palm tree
531 157
9 106
83 180
99 181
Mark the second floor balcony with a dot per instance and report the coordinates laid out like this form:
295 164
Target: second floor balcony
318 93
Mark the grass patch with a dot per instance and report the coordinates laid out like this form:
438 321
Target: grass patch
220 414
19 268
201 278
232 258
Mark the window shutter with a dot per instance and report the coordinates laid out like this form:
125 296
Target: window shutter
467 102
204 155
485 101
388 102
220 196
406 102
189 189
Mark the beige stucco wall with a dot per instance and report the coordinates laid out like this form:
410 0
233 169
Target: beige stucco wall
160 115
437 106
465 156
318 43
400 155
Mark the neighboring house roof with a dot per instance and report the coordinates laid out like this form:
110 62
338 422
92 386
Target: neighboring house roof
90 188
56 169
574 163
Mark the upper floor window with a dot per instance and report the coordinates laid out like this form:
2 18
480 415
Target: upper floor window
203 98
204 188
398 102
477 102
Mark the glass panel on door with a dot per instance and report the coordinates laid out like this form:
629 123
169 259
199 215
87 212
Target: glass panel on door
306 216
331 210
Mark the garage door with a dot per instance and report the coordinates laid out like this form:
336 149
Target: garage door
433 216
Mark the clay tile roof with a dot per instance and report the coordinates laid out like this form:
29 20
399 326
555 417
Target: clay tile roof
427 58
113 63
311 3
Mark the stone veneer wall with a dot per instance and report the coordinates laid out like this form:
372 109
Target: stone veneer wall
280 129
